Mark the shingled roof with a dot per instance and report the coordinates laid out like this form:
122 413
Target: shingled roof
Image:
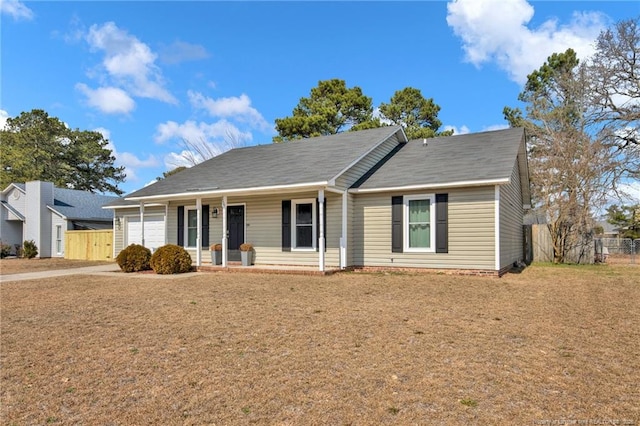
474 158
307 161
81 205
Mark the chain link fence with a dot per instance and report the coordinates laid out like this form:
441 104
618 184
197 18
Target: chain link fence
617 250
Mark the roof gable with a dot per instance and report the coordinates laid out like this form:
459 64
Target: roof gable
303 162
475 158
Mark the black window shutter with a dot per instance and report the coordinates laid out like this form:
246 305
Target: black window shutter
324 228
442 226
286 225
205 226
181 226
396 224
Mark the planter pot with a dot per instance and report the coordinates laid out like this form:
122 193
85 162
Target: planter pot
216 257
246 257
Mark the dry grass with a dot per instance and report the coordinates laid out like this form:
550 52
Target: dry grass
551 343
18 266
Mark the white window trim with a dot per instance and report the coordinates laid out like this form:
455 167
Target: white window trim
294 227
58 239
187 209
432 222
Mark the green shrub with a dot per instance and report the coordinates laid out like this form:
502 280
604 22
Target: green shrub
171 259
5 250
29 249
134 258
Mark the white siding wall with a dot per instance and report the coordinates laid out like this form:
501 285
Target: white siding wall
471 232
511 214
119 236
11 231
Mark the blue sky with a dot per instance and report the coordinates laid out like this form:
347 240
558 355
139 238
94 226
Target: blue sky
150 75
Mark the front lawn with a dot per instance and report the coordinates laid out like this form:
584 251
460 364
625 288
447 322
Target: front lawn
548 344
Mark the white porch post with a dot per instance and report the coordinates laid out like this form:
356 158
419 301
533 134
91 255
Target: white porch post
198 231
142 223
321 240
343 237
224 231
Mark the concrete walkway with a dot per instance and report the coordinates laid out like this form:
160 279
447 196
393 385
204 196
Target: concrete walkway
90 270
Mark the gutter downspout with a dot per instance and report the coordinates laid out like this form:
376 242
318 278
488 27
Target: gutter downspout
343 238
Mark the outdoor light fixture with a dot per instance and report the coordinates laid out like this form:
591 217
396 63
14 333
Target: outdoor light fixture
214 213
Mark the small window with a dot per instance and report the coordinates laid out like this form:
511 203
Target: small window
304 224
419 215
192 227
58 239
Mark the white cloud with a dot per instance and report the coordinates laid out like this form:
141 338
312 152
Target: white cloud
457 131
196 132
128 62
497 31
110 100
180 51
130 161
236 107
17 10
4 115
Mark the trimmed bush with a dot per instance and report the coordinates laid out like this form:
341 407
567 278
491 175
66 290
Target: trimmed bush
134 258
171 259
29 249
5 250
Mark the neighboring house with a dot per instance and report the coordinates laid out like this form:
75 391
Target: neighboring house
40 212
356 199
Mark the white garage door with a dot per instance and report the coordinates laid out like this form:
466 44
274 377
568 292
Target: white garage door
153 231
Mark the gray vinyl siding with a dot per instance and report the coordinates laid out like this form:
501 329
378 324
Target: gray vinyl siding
471 222
511 214
122 213
18 204
365 164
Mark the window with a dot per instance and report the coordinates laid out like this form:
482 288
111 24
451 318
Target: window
303 231
419 219
192 226
58 239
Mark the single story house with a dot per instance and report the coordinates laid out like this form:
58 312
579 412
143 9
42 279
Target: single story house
370 199
41 212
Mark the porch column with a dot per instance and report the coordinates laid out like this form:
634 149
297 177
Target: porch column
142 223
198 231
225 245
321 241
343 237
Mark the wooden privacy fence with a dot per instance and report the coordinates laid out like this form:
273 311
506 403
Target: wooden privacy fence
543 247
89 245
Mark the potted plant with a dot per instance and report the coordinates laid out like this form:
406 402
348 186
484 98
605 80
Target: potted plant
216 254
246 254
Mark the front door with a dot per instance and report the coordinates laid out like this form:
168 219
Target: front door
235 229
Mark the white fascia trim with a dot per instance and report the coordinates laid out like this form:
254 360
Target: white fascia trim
332 181
13 185
12 210
133 206
468 183
255 190
57 212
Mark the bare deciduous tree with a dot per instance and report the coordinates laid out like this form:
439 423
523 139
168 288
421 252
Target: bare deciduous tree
574 163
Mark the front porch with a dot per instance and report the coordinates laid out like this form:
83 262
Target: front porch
267 269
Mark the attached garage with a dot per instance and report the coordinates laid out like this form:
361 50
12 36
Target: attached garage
154 231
